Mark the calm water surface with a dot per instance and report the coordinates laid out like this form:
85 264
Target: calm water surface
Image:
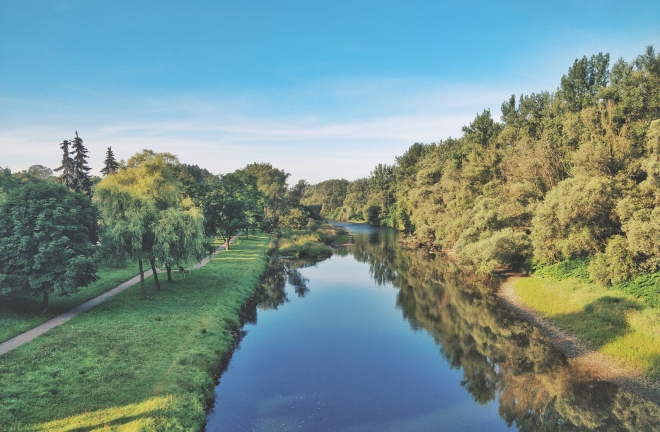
378 338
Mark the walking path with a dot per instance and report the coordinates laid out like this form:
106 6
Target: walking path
29 335
602 366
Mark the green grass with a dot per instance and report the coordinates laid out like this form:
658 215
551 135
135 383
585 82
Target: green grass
306 243
613 322
19 314
134 365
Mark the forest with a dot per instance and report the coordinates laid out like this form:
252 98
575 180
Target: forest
570 176
151 209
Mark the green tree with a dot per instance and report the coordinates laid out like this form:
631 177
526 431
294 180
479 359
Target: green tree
48 239
40 172
580 87
179 238
82 181
110 164
272 182
132 202
576 218
66 178
226 208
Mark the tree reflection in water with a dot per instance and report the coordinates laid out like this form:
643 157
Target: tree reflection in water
271 292
501 356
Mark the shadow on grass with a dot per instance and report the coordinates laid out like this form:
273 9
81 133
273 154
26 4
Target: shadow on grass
130 416
601 322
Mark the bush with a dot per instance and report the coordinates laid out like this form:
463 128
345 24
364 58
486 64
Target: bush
571 268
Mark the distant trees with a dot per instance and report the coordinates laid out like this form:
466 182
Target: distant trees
48 241
75 171
568 174
110 164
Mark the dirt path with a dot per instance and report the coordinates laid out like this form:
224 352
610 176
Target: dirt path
29 335
579 352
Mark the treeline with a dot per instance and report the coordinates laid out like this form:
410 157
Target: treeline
152 209
568 174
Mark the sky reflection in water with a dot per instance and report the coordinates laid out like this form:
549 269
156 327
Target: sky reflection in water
378 338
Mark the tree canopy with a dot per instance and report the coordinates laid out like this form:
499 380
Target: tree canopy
48 241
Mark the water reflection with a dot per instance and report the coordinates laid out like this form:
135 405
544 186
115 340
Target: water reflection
501 357
271 293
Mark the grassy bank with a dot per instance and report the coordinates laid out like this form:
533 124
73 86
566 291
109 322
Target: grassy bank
305 243
129 364
19 314
624 325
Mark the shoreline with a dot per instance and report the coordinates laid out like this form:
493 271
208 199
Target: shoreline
578 351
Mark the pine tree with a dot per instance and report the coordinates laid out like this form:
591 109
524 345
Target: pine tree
82 182
111 164
66 178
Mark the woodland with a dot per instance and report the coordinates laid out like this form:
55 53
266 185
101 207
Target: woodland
570 176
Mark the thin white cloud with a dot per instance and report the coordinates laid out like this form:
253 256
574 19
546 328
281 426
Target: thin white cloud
326 129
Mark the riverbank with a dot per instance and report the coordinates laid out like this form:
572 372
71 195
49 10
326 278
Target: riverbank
603 331
131 364
309 244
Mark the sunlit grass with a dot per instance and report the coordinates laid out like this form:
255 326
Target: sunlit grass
19 314
115 366
613 322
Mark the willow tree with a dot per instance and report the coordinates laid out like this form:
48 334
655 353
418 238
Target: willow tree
179 238
138 202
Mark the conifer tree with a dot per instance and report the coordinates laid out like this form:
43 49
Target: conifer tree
111 164
66 178
82 182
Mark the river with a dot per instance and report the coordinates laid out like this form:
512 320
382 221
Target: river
380 338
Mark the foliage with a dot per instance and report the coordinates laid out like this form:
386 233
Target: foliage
110 164
166 351
577 268
304 243
48 241
330 195
574 219
570 171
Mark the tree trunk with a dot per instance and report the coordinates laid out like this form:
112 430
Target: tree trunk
44 306
155 273
143 290
247 233
227 243
169 272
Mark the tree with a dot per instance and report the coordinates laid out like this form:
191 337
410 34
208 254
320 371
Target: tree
584 80
225 207
82 182
576 218
132 202
66 178
179 238
40 172
127 225
110 164
272 183
47 241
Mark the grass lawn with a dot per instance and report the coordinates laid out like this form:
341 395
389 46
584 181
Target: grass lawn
19 314
612 321
129 364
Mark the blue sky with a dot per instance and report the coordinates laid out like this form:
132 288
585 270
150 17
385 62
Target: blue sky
320 89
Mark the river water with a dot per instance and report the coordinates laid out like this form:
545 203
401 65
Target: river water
380 338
